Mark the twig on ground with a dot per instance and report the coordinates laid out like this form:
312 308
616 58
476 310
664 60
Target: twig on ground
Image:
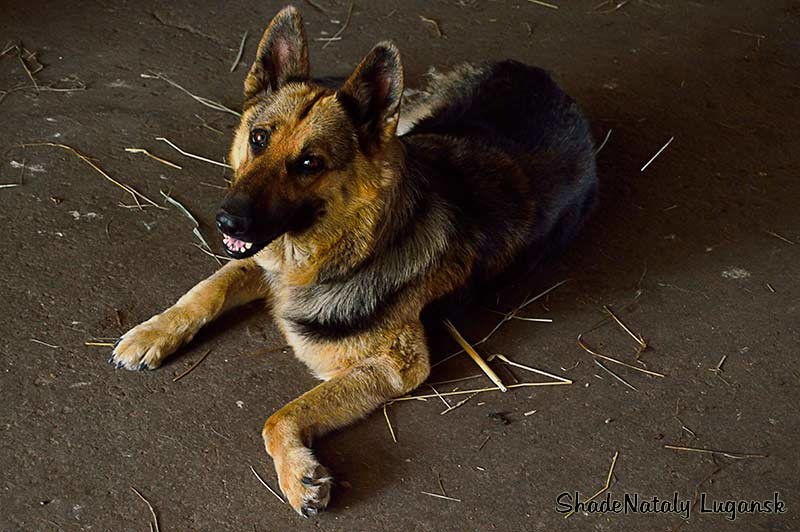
727 454
506 318
718 369
614 360
127 188
192 155
154 157
8 47
543 4
636 337
653 158
758 36
689 431
34 340
529 368
196 229
27 69
604 488
338 34
272 491
191 368
479 390
439 396
460 379
210 254
522 318
435 24
474 355
603 144
389 423
616 7
212 185
441 485
620 379
780 237
207 126
200 99
239 53
441 496
154 522
458 404
696 494
99 344
317 7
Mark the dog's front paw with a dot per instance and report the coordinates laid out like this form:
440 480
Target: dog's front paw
306 483
149 343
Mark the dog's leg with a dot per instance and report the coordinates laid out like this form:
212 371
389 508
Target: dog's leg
149 343
348 396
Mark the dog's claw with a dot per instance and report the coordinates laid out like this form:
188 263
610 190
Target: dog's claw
117 342
142 366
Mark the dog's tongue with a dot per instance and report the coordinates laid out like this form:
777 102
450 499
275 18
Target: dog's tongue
234 244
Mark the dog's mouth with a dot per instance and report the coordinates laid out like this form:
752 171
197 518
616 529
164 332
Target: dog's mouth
241 249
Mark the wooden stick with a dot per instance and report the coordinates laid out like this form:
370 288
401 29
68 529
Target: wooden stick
653 158
239 53
192 155
543 4
266 485
506 318
474 354
531 369
604 488
620 379
182 375
152 511
154 157
479 390
344 26
440 496
615 361
735 456
391 429
127 188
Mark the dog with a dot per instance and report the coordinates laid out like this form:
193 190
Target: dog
351 231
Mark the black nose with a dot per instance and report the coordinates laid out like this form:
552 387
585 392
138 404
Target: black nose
233 225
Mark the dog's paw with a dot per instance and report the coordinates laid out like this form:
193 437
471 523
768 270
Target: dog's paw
306 483
149 343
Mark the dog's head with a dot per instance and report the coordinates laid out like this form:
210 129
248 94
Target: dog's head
302 151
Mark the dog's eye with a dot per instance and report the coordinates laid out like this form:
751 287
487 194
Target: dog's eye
311 164
259 139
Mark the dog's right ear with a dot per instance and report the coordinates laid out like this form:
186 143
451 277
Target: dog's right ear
372 93
282 55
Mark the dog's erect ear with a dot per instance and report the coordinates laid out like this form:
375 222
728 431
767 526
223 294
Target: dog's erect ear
282 55
372 93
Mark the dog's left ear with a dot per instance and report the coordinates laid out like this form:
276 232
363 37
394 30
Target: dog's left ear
282 55
372 93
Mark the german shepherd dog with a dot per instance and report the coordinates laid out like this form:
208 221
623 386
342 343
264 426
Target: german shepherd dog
350 230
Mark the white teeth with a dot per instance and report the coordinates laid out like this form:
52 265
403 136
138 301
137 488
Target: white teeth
248 245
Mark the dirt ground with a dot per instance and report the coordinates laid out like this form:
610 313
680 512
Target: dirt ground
698 253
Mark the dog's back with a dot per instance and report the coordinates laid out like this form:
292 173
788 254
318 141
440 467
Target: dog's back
507 151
